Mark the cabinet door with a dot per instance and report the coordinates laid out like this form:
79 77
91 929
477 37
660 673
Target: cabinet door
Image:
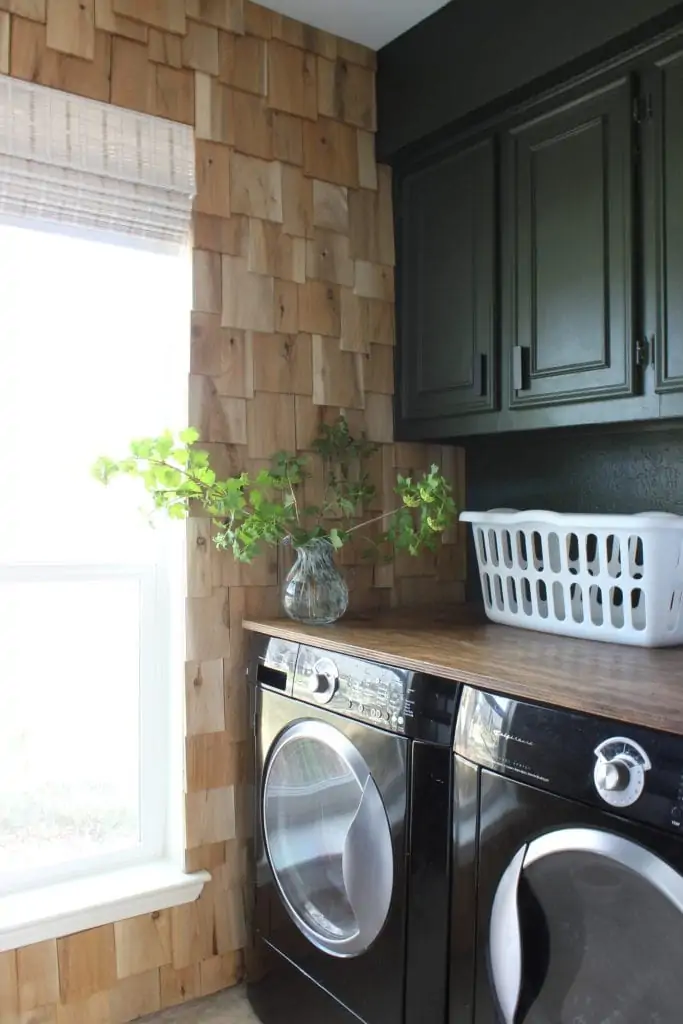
447 274
568 256
663 153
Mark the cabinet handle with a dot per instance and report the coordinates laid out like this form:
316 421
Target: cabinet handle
518 368
480 382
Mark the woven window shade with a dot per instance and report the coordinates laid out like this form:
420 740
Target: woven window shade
74 161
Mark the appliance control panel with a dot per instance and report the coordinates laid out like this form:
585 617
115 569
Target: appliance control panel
627 770
390 698
619 772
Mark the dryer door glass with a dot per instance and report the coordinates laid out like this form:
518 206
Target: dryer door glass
328 838
587 927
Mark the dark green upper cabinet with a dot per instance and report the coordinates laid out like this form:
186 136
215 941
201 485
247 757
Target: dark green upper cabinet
663 193
447 285
568 250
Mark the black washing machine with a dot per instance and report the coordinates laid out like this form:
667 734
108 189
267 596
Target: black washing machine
352 844
568 868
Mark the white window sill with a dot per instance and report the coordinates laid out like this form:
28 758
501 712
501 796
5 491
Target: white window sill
57 910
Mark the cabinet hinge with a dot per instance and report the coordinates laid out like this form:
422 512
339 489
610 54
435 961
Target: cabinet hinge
643 108
644 351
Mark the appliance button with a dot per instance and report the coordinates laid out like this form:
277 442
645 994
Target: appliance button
400 719
324 680
676 816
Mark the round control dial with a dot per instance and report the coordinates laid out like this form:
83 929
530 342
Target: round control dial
324 681
619 772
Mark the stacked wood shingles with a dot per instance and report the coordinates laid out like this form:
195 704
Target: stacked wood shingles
292 324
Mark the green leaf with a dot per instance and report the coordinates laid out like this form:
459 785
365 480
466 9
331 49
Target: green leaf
189 435
337 541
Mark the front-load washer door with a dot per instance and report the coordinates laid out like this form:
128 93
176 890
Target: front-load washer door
328 838
587 928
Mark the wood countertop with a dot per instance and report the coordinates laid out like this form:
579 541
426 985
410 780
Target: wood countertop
630 684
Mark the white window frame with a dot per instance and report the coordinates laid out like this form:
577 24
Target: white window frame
114 175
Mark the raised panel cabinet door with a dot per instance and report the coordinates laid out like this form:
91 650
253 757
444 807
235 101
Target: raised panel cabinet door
568 250
448 289
663 156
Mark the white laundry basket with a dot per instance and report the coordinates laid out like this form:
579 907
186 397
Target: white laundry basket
616 578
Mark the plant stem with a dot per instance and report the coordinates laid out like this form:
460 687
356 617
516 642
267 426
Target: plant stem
377 519
296 506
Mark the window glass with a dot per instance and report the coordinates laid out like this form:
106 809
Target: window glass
94 351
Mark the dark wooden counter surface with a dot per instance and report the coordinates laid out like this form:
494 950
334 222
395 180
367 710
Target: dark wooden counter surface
630 684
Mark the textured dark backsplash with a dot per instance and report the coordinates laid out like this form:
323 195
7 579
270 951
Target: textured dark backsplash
577 471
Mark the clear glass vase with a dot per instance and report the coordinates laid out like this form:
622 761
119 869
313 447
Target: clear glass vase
314 591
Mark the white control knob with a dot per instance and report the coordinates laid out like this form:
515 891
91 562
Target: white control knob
324 680
619 773
612 776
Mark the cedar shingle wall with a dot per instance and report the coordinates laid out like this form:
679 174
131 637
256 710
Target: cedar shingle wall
293 322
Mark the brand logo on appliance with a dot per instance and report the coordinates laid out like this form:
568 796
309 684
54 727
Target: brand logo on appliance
515 739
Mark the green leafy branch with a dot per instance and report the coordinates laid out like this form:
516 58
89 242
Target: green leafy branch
267 508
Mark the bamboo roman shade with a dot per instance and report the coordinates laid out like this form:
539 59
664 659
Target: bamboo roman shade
73 161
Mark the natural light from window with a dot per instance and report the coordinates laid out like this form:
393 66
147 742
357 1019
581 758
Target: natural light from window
93 352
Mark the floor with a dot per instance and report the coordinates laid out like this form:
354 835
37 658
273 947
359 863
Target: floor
230 1007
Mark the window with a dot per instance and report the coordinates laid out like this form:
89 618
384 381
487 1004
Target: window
94 350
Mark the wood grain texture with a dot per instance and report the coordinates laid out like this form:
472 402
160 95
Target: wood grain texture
282 364
227 14
319 309
179 984
258 20
256 187
248 299
367 168
331 207
214 113
200 48
163 47
242 62
71 27
213 179
143 943
337 376
271 251
297 202
38 975
94 1009
135 997
35 10
206 281
291 80
328 258
32 60
210 816
4 42
638 686
204 698
220 972
347 92
288 139
87 963
166 14
331 151
270 424
107 20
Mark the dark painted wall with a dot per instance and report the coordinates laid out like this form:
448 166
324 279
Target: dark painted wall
576 471
473 52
